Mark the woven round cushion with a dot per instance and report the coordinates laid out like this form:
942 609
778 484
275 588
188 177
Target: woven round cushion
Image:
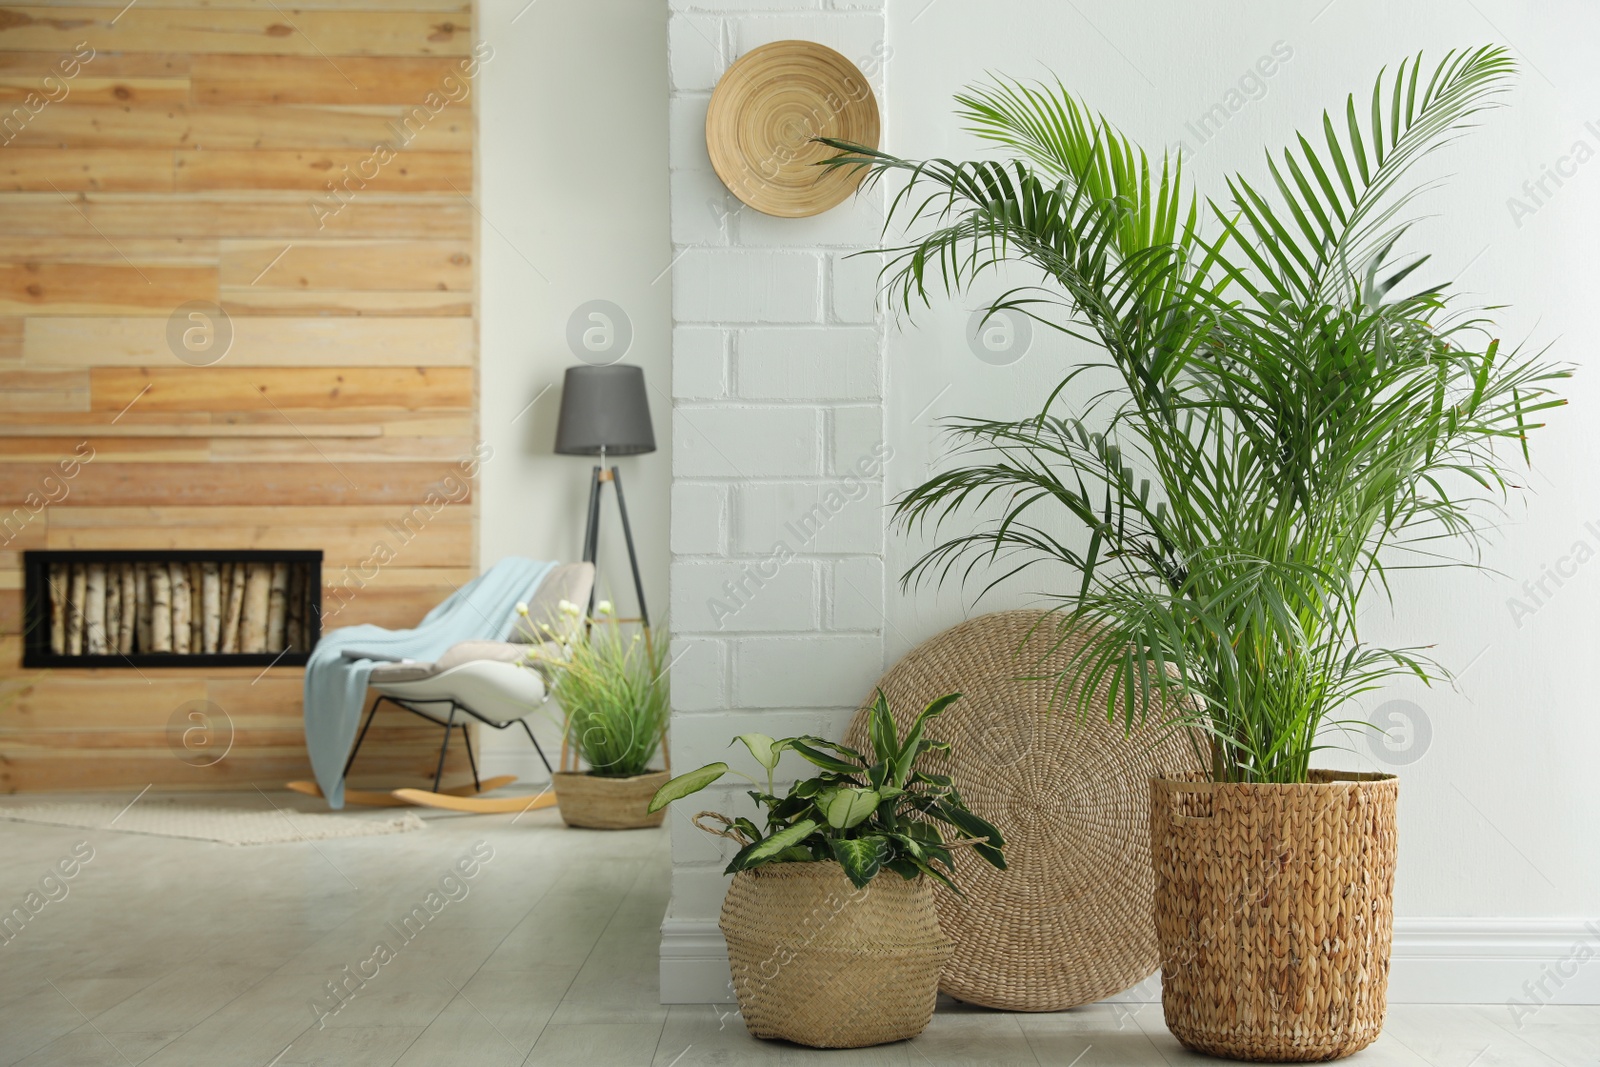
1070 920
765 115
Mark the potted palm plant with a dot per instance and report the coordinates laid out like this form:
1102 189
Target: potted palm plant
824 948
1274 416
612 690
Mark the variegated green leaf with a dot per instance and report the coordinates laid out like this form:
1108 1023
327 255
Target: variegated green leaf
684 784
860 857
845 808
766 750
768 848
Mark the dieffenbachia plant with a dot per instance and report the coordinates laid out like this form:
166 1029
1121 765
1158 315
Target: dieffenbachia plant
868 812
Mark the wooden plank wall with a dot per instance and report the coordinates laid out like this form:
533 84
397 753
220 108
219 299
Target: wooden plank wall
307 169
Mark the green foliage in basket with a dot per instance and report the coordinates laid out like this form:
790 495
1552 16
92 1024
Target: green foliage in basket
612 689
869 812
1265 413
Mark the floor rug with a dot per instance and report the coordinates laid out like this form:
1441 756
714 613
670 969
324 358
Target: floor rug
236 823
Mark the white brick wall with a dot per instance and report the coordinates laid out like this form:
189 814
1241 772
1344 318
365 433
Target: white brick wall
734 285
700 679
699 363
723 441
699 519
831 518
853 286
746 5
760 596
855 594
803 672
777 581
852 224
697 50
686 137
702 210
820 363
857 431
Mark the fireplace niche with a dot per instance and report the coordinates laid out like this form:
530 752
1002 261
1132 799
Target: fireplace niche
202 607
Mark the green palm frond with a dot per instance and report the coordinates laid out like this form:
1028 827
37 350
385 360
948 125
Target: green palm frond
1070 144
1284 423
1334 212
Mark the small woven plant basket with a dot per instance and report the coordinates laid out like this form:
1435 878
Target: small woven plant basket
595 803
1274 910
819 962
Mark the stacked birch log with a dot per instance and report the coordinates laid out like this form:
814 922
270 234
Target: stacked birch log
183 608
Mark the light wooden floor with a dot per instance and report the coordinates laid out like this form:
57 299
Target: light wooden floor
168 952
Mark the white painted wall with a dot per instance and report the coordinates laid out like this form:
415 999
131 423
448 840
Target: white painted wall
573 201
1498 861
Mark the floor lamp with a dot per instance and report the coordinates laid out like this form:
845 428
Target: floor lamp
606 411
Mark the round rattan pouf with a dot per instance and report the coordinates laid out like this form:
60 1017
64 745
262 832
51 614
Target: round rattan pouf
763 119
1069 922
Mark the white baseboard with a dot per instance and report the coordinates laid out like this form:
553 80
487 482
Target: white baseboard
1495 961
1518 963
694 963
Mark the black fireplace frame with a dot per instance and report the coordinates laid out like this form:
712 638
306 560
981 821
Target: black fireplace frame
36 606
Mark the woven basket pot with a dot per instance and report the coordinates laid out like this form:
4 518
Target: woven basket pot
1274 912
819 962
596 803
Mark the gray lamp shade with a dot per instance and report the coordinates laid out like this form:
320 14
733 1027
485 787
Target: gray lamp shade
604 409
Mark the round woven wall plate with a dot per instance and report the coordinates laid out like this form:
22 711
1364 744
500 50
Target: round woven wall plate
764 114
1071 919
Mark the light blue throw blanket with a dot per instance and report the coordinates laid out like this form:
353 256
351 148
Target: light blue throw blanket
483 609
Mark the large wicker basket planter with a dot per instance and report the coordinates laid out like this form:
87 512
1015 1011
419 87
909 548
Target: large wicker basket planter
595 803
1274 913
819 962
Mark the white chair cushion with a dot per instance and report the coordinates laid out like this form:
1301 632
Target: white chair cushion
536 656
498 691
467 651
